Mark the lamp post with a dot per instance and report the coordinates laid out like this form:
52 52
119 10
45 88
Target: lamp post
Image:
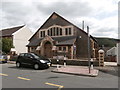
74 48
88 48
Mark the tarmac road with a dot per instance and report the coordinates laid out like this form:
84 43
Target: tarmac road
13 77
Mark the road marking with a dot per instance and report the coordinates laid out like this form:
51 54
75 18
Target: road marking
23 78
60 86
3 74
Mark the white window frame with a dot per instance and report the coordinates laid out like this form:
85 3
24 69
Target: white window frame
57 26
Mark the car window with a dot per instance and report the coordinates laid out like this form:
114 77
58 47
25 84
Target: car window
22 54
28 55
35 56
38 56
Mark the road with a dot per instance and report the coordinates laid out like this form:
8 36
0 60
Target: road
13 77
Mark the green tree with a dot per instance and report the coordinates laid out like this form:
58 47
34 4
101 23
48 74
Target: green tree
7 44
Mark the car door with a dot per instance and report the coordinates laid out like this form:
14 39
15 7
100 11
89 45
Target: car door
21 58
28 59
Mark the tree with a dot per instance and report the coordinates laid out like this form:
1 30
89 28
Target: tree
7 44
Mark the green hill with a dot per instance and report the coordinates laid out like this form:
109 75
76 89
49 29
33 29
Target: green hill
107 42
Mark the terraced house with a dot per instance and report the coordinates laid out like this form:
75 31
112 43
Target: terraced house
58 37
19 36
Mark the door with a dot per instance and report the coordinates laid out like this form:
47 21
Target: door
48 50
28 59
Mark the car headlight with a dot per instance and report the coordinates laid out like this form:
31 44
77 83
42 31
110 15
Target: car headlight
50 60
42 61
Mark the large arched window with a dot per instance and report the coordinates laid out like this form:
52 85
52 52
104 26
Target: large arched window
55 31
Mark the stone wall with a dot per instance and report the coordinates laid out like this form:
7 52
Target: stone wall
74 62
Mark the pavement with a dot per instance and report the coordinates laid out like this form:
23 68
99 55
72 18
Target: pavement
11 62
77 70
110 63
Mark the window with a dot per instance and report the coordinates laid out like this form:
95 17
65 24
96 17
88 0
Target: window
43 33
48 33
66 31
60 31
54 31
57 31
69 31
64 48
60 48
22 54
51 31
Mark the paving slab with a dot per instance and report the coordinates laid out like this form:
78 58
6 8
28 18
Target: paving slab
11 62
77 70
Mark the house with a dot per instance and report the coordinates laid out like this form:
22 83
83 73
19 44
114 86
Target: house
19 36
118 53
58 37
112 51
112 54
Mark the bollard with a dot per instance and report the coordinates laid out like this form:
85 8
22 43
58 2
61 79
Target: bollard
65 61
57 63
91 63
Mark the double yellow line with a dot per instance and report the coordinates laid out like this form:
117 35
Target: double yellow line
23 78
60 86
3 74
17 77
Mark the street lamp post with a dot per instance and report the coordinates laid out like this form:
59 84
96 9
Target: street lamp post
88 48
74 50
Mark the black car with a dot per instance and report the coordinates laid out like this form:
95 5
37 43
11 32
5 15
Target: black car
37 61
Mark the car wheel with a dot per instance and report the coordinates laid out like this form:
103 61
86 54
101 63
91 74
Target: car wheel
18 64
36 66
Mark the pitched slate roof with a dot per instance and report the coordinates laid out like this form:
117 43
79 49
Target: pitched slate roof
49 22
64 40
9 31
35 42
67 42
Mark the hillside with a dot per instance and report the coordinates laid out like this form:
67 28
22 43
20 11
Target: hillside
107 42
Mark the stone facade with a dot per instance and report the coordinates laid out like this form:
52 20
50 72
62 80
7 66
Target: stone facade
58 37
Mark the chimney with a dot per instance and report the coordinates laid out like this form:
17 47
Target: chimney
82 25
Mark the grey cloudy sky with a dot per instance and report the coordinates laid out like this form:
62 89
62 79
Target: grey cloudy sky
100 15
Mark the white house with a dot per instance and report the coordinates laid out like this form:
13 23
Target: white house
112 51
118 53
19 36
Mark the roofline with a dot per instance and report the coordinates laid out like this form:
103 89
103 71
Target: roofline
13 27
66 21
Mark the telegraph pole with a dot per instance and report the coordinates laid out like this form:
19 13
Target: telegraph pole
88 48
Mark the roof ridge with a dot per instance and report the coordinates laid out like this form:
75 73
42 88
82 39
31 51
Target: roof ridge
13 27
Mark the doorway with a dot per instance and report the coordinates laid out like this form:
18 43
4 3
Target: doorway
48 50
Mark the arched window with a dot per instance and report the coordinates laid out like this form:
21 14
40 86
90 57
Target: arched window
51 32
54 31
48 32
60 31
57 31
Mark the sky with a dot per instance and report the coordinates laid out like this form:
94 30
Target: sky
100 15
